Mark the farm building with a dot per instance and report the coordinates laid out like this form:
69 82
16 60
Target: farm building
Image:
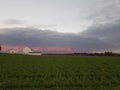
12 51
35 53
27 50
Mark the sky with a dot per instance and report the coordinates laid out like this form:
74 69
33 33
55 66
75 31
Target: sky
60 25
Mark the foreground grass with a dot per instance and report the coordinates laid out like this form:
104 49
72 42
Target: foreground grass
22 72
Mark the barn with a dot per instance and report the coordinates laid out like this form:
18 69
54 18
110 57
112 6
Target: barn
27 50
12 51
35 53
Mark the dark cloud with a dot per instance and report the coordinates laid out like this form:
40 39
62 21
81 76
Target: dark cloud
107 33
94 39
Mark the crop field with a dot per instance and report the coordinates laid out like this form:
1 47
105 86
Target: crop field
59 72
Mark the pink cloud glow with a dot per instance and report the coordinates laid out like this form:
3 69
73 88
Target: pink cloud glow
47 48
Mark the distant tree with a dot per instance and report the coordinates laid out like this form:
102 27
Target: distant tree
108 53
0 48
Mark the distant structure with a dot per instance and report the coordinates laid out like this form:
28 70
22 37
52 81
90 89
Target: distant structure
12 51
27 50
35 53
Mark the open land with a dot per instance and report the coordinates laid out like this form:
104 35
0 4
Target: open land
59 72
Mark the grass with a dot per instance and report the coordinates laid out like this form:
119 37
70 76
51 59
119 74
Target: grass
23 72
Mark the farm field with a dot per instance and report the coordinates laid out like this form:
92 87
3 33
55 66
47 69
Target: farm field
59 72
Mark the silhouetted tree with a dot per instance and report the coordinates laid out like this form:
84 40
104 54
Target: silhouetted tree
108 53
0 48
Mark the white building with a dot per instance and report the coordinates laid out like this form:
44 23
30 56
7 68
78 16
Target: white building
35 53
27 50
12 51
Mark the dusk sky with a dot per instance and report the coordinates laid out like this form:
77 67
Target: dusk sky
61 25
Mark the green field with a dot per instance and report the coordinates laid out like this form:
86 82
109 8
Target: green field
22 72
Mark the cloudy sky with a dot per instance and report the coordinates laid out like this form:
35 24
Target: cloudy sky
60 25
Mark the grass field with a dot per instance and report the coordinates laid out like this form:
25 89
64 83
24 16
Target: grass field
22 72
